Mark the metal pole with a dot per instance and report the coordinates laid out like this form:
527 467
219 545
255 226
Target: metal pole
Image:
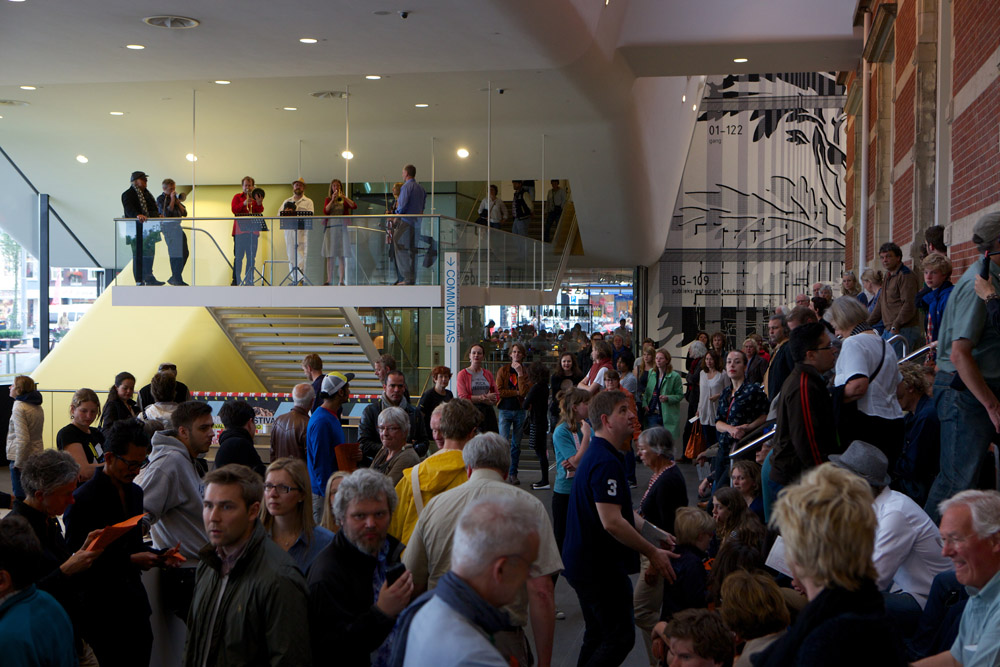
194 207
347 142
865 139
44 273
432 175
544 201
489 157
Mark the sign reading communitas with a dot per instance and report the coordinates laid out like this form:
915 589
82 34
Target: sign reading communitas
450 285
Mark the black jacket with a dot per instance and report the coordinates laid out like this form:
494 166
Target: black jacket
806 433
236 446
342 607
112 585
838 627
133 208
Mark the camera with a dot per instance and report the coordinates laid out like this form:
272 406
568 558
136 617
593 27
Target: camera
404 15
501 90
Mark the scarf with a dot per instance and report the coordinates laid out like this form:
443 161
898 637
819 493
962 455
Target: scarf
32 397
142 200
596 368
461 597
860 328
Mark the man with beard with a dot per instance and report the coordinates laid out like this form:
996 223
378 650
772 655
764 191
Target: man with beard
352 602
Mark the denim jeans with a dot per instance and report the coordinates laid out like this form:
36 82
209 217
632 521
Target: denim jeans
15 482
912 336
511 428
966 431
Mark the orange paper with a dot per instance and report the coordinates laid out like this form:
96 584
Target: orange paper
112 533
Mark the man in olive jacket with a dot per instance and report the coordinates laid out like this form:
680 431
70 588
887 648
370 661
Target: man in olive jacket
249 604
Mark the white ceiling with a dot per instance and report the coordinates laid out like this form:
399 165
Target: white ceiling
568 67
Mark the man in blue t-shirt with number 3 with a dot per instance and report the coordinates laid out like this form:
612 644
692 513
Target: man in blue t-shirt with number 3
603 539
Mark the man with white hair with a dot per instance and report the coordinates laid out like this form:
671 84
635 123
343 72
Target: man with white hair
288 433
970 530
428 554
496 541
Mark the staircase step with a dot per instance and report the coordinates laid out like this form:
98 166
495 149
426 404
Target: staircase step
271 355
287 329
345 341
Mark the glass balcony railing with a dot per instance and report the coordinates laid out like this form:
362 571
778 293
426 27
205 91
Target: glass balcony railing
280 251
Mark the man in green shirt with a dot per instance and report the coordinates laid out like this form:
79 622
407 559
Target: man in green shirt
968 379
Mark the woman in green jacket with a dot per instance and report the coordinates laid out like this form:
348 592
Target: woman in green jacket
662 394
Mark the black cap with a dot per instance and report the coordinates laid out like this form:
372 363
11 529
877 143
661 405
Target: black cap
139 174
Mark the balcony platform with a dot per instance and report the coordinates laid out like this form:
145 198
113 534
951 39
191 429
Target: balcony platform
373 296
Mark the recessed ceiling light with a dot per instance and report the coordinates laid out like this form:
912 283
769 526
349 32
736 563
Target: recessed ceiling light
116 113
82 159
171 22
421 105
347 155
29 87
191 157
684 98
694 107
135 47
223 82
373 77
739 60
308 40
463 153
15 1
290 108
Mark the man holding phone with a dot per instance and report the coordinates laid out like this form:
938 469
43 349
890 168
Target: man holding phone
356 589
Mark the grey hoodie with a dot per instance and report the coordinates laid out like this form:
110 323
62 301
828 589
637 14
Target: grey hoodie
172 495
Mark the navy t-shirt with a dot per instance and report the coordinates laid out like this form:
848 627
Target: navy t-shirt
590 553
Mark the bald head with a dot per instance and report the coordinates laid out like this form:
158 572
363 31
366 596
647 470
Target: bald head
303 395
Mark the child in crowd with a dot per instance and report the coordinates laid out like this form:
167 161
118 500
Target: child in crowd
694 530
937 275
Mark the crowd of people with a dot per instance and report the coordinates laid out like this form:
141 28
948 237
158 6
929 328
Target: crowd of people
854 534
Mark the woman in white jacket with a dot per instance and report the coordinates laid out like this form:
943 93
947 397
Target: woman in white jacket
24 435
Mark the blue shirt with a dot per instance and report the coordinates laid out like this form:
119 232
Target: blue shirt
978 640
590 554
35 630
304 553
323 435
411 198
564 444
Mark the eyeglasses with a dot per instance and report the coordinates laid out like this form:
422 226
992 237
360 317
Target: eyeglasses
282 489
133 465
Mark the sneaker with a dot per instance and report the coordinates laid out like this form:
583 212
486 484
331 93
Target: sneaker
514 480
560 615
541 486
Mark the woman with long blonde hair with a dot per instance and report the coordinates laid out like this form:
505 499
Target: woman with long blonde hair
569 440
287 512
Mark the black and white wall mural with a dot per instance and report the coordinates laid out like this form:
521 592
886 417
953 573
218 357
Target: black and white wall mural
760 213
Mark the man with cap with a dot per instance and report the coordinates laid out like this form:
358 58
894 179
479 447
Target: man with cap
907 553
967 384
140 204
305 206
323 435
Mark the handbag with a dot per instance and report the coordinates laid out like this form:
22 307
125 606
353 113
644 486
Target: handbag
695 443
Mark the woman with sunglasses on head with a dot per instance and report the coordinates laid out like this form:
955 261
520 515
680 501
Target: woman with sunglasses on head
287 512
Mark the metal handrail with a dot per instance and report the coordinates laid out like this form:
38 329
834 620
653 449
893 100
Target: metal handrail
906 357
900 337
214 242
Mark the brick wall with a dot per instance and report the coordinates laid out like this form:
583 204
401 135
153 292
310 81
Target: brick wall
904 133
977 34
975 154
902 209
905 32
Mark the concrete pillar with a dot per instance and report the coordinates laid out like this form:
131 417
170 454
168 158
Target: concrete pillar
881 199
925 57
